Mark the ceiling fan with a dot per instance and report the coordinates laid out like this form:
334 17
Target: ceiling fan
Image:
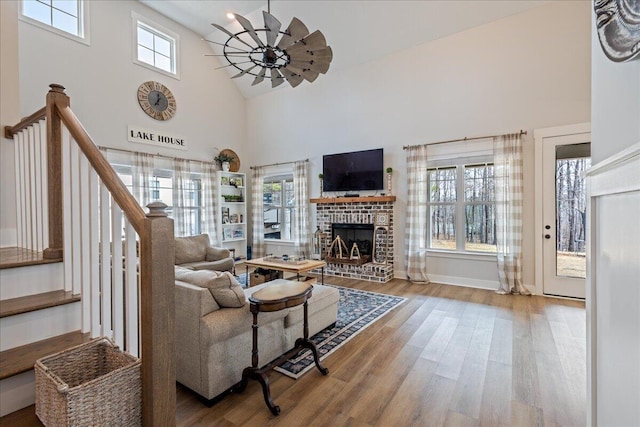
293 55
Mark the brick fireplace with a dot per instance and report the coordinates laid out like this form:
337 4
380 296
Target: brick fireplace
364 213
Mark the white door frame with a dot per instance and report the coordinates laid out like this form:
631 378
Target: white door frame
539 136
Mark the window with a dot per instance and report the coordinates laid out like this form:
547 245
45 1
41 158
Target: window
161 188
461 208
278 199
155 47
64 17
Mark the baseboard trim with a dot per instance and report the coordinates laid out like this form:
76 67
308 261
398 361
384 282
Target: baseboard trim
468 282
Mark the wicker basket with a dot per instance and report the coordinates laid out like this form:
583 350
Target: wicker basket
92 384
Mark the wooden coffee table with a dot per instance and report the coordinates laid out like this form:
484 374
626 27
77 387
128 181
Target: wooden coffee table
279 295
288 267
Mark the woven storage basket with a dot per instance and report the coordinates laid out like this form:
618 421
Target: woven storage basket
92 384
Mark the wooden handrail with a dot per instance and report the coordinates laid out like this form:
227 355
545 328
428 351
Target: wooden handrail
108 175
10 131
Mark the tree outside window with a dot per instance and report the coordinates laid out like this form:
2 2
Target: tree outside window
462 208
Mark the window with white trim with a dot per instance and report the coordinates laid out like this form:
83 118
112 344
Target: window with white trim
161 188
155 47
461 207
278 205
65 17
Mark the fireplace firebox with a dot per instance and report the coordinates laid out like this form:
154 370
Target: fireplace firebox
360 234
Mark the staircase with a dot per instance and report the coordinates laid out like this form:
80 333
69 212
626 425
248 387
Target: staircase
89 263
37 318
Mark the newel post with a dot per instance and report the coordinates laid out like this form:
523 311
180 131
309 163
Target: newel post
157 313
56 98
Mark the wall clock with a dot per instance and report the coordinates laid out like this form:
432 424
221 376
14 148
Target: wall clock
156 100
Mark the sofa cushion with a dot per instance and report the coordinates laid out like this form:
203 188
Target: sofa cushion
191 248
216 254
221 265
224 288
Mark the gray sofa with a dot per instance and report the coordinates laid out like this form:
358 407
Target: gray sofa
213 343
196 253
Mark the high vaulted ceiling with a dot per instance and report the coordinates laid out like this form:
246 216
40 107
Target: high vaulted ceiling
358 31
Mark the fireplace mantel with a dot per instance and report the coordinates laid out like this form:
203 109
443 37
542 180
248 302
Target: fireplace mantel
354 199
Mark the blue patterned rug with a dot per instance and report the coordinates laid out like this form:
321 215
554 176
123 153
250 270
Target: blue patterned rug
356 311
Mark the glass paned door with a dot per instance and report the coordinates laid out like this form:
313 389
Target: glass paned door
571 211
565 159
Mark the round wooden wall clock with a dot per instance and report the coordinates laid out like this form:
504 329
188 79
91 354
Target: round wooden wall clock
156 100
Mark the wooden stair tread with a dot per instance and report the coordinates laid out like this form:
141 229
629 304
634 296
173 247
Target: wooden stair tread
21 359
21 257
13 306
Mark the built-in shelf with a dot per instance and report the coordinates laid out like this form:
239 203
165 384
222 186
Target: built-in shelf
354 199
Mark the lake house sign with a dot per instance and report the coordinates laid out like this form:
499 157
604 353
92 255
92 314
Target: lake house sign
159 139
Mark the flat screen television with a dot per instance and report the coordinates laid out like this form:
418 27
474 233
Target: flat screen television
354 171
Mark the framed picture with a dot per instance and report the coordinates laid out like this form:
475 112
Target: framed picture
238 234
235 181
225 216
224 180
233 219
227 234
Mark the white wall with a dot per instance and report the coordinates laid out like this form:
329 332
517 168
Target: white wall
9 115
523 72
615 126
102 81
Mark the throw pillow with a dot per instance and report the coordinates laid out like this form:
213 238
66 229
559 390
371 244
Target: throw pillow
224 288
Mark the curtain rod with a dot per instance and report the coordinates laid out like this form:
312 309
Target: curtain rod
122 150
522 132
277 164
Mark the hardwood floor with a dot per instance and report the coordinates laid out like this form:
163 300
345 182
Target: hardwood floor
449 356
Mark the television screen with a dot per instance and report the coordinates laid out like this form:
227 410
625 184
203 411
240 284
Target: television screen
358 170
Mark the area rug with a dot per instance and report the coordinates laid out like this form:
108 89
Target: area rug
356 311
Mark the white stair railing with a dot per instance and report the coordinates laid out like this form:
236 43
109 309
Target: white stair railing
30 162
72 204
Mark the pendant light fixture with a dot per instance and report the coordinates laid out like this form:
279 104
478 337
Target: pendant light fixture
268 53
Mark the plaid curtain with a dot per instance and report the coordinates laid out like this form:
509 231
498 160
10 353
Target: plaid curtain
257 211
507 160
141 176
417 214
209 201
181 177
300 224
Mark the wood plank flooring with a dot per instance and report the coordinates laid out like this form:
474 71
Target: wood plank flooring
449 356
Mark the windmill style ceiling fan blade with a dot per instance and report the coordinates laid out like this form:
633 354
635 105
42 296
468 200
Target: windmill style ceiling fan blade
276 78
231 35
308 75
313 41
243 72
317 66
325 54
296 31
293 78
249 28
273 28
260 77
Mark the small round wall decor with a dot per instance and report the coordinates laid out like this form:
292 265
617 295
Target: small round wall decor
156 100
